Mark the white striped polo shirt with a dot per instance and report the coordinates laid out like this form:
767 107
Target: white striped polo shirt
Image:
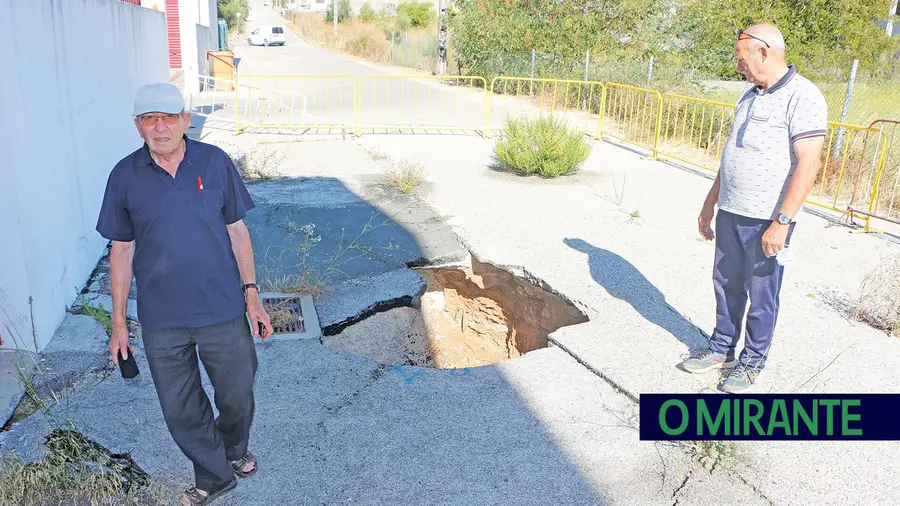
758 160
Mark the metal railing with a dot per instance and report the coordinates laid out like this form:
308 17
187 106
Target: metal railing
860 174
837 185
631 114
884 197
216 94
579 102
694 131
295 102
416 102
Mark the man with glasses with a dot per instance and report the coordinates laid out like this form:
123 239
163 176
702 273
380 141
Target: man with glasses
768 167
174 211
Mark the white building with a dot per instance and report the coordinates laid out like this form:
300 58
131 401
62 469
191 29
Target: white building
191 27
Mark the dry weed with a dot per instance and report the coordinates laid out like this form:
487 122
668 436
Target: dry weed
405 175
78 471
879 300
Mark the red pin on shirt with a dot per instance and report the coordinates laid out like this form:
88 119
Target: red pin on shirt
199 185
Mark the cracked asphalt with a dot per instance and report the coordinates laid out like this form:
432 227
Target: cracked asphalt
332 428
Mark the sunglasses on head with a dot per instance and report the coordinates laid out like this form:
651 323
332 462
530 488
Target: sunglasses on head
751 36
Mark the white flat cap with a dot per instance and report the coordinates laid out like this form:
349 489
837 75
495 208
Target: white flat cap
158 97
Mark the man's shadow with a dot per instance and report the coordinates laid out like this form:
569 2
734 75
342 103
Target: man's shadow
623 281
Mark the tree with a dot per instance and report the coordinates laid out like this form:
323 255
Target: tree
345 12
483 28
229 10
822 36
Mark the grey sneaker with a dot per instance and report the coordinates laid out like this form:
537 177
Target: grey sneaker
739 380
706 361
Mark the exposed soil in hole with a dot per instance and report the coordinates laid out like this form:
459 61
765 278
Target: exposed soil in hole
466 318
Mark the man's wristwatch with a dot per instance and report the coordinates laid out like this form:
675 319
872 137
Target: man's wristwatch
250 285
784 219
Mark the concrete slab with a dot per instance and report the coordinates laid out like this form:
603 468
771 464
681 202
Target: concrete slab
348 302
332 427
13 365
76 358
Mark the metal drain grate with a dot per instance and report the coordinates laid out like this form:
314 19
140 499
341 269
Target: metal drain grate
286 314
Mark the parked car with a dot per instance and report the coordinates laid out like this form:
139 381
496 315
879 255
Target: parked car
266 36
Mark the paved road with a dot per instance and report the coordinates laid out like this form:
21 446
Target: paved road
300 85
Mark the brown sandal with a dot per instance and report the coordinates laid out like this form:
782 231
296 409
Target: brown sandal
193 495
238 465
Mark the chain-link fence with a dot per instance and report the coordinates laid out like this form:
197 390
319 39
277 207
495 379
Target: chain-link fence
867 99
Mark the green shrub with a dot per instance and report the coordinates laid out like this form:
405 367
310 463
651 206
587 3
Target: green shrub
345 12
366 13
544 146
420 14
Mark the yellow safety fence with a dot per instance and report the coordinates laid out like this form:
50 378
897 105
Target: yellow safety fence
578 102
414 102
693 130
295 102
631 114
860 174
880 152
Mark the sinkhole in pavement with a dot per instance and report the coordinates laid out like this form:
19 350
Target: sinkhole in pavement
467 317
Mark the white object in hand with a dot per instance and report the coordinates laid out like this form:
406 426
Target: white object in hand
785 256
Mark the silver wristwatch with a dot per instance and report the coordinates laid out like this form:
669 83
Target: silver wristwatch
784 219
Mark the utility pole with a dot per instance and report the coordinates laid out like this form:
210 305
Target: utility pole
442 37
334 14
889 26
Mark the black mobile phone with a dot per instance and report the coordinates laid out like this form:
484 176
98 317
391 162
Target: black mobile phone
129 367
262 329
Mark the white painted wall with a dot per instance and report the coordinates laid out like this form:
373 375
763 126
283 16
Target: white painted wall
67 99
196 37
204 43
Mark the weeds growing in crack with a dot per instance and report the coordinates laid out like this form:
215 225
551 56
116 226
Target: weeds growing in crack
404 175
620 193
75 470
260 163
376 154
634 217
98 313
78 471
714 454
313 279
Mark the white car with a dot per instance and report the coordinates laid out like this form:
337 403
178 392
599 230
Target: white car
266 36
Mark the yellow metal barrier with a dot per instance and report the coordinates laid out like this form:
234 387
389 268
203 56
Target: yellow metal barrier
579 102
631 114
694 130
884 190
848 170
415 102
295 102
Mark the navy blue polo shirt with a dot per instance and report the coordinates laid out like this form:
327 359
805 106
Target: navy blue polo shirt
185 269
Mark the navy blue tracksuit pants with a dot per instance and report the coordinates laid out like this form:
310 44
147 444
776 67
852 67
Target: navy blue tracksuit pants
742 272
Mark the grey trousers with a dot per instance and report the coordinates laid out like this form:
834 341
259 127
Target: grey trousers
229 357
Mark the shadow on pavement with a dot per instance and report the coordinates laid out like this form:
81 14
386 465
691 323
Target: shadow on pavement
625 282
334 428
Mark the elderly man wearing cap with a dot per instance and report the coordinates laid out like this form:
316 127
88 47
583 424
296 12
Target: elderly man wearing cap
174 211
768 167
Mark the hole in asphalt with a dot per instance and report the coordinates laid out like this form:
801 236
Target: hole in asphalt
467 317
